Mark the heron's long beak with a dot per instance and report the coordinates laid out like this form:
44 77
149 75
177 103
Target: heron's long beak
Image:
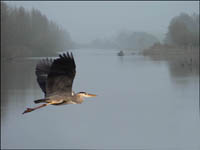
91 95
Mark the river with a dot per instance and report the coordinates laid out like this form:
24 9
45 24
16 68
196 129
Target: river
141 104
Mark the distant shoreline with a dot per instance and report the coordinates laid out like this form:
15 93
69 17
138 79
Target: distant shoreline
168 50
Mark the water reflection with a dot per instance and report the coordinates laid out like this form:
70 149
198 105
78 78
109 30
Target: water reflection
180 65
140 105
18 80
184 67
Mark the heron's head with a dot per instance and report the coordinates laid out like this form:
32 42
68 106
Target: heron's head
84 94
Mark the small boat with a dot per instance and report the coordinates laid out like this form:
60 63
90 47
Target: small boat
121 53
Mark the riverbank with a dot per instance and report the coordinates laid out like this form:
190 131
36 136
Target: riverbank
178 58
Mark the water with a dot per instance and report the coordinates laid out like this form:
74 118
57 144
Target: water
141 104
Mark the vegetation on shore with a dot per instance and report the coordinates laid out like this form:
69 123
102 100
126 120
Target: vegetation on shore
181 46
30 33
125 40
182 37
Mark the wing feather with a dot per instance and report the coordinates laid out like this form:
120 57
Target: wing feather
42 71
61 75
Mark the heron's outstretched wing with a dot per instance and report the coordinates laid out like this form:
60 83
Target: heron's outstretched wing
42 69
61 75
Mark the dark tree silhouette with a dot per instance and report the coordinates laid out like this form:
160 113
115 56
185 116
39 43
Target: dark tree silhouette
184 30
30 33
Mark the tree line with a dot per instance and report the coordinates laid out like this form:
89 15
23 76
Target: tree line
30 33
128 40
183 30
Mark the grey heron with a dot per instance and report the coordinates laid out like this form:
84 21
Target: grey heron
55 78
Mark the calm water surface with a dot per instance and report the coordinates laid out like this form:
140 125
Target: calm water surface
141 104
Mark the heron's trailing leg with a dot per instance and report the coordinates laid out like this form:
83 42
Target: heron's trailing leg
32 109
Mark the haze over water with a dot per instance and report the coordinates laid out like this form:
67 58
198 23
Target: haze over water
88 20
141 104
140 58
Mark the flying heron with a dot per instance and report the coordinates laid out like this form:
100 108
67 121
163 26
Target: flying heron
55 78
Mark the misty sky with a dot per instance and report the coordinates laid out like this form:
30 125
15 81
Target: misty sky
88 20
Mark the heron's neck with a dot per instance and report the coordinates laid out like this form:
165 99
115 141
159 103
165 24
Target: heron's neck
79 99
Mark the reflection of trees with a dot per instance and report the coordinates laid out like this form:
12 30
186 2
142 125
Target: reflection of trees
184 66
17 78
17 75
180 65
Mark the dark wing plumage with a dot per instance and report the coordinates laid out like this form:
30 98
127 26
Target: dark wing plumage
42 71
61 75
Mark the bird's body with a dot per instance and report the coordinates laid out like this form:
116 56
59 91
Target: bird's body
55 78
61 99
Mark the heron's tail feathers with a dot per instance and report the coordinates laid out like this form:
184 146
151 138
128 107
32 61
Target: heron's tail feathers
40 101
